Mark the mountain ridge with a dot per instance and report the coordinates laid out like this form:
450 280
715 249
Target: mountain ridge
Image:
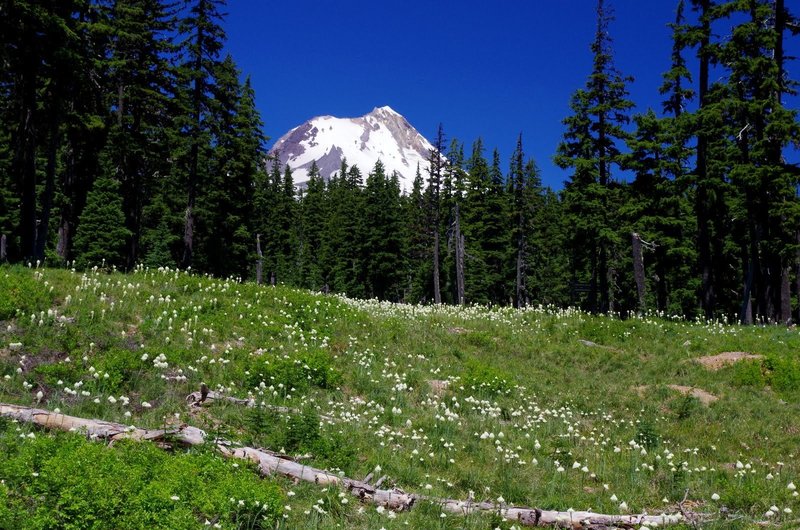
382 134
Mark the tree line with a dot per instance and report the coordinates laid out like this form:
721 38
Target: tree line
127 137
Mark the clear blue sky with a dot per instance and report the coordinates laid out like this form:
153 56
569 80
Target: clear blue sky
488 69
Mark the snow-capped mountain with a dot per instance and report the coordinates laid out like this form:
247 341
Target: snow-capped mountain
383 135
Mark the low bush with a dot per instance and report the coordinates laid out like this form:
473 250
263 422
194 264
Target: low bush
486 379
21 292
301 434
67 482
311 368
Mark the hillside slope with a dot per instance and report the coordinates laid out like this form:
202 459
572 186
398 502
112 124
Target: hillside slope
539 407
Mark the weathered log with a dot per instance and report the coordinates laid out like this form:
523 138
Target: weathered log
394 499
99 429
197 399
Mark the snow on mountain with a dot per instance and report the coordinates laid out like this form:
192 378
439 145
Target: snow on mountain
383 135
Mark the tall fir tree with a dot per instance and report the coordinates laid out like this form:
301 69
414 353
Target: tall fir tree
418 239
203 41
591 148
101 235
384 252
139 85
313 213
765 184
437 164
345 242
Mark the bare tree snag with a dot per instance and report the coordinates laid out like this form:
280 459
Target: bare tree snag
459 237
638 269
61 245
2 247
260 261
394 499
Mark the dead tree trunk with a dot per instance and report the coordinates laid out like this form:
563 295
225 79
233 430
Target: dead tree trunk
638 269
746 312
2 247
61 245
459 259
437 291
260 261
786 295
272 464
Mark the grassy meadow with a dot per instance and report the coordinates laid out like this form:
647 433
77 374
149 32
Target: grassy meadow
540 407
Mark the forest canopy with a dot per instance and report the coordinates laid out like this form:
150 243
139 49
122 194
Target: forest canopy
128 137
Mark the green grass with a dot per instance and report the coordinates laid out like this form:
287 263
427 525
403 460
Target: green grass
445 400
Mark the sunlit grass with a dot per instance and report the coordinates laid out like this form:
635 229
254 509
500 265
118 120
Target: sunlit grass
541 407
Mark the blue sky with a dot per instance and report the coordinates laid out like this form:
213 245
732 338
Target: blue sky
488 69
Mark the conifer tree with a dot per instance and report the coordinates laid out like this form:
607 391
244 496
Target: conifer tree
591 148
204 38
436 169
418 243
766 186
525 189
101 234
706 189
384 245
345 234
313 213
659 210
140 81
481 226
46 62
225 210
452 196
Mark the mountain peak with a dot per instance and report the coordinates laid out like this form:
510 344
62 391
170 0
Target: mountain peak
382 134
386 109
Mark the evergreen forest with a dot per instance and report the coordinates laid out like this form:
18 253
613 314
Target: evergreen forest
129 138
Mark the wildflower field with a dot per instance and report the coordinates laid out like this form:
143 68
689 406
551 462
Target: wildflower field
546 408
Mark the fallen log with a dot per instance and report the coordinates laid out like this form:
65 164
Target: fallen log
197 399
206 396
394 499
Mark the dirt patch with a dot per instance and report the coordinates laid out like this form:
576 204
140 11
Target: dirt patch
45 356
438 387
706 398
715 362
457 330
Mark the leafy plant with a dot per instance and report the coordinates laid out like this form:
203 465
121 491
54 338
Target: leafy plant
21 292
484 378
749 373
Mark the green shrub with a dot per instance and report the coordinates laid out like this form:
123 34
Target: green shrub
784 375
312 368
647 434
21 291
749 373
487 379
122 366
300 434
51 374
685 406
480 339
70 483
